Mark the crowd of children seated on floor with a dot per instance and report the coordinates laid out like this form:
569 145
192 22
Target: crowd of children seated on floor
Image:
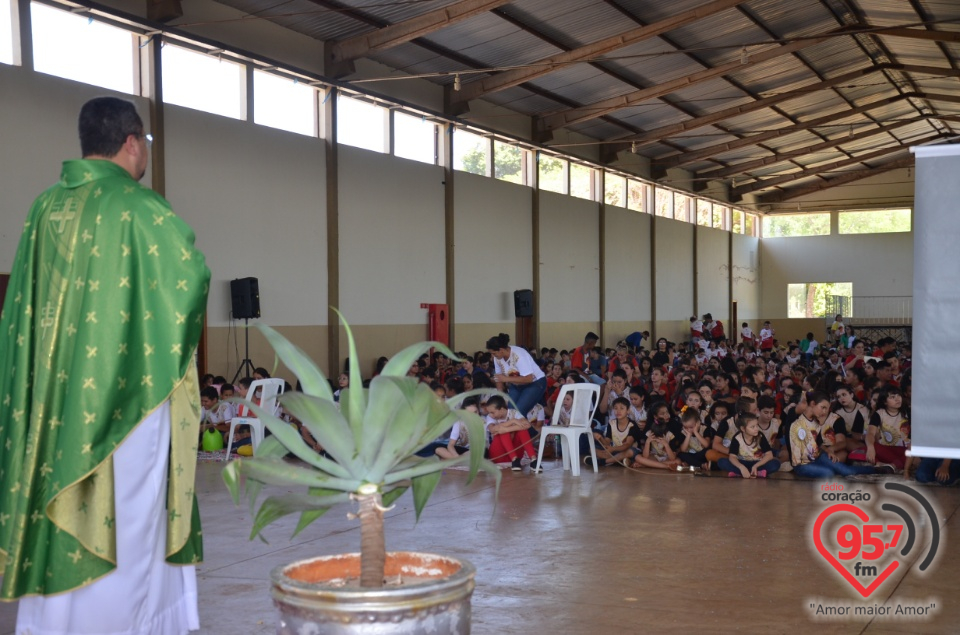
745 410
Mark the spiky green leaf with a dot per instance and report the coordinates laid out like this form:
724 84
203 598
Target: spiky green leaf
423 487
231 478
324 421
399 365
311 515
279 472
427 467
405 429
477 434
275 507
290 437
391 495
353 400
312 380
455 401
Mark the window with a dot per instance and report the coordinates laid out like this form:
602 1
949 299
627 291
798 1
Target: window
782 225
6 32
680 207
737 227
719 212
875 221
283 103
704 213
750 224
80 48
414 138
582 182
507 162
470 152
614 190
553 173
664 202
636 196
204 82
819 299
361 124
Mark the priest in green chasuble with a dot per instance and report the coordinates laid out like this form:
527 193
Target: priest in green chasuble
99 402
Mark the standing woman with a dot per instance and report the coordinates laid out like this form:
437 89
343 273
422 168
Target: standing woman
516 373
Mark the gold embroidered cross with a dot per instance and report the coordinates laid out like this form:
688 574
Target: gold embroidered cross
64 212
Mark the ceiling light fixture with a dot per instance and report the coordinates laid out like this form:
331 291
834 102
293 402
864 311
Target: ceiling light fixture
456 83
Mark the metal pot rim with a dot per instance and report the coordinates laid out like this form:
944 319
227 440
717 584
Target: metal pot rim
449 587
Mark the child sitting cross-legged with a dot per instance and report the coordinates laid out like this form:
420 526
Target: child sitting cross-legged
657 452
750 454
508 431
619 444
459 440
697 437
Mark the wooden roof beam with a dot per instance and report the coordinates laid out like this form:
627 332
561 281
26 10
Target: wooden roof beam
737 193
607 106
916 34
686 158
508 79
740 168
652 136
786 195
340 54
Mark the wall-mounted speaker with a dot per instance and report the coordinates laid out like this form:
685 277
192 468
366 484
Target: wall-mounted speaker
523 303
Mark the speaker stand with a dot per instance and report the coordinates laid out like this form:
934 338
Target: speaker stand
246 363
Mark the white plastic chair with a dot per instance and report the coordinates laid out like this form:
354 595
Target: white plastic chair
586 398
269 389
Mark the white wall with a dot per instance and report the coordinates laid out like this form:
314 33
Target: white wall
876 264
255 196
627 265
746 278
713 273
392 254
38 129
493 234
674 269
569 259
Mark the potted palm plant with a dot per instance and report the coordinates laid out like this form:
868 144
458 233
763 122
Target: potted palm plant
370 442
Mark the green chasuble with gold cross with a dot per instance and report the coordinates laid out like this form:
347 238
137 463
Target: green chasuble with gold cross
102 316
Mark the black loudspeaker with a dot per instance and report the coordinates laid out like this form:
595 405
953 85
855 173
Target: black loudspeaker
523 303
245 298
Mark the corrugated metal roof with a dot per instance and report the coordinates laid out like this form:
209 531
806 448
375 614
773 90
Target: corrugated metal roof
794 19
779 75
922 52
493 41
890 12
572 22
490 41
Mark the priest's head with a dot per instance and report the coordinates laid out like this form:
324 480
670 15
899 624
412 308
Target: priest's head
111 129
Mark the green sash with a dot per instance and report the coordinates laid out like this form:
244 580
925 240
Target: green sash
101 320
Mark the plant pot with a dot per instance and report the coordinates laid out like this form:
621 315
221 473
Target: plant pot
433 598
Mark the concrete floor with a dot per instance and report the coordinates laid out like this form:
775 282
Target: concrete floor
622 550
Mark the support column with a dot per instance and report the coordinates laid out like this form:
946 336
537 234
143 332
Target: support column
535 248
153 82
603 259
333 229
696 270
445 156
23 48
653 280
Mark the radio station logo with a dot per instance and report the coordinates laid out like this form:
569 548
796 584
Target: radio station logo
866 537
